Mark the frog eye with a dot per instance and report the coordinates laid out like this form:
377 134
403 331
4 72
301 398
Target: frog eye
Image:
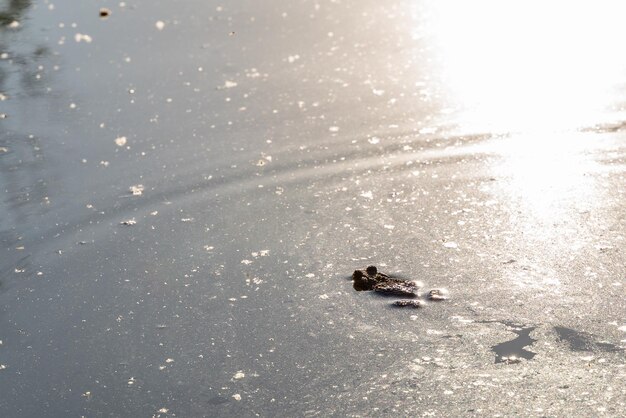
371 270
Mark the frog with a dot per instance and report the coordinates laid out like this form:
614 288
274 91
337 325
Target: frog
371 279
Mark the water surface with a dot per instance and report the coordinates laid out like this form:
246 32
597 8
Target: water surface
272 149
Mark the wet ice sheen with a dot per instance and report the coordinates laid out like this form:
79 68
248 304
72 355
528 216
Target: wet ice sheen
280 147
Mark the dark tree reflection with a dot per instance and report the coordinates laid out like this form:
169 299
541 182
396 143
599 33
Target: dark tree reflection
20 55
13 11
22 173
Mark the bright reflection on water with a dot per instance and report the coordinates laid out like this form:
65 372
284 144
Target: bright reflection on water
532 65
539 75
548 176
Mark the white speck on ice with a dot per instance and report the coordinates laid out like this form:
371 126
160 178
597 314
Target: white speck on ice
229 84
81 37
239 375
136 190
461 319
324 296
293 58
373 140
159 24
426 131
334 129
310 275
120 141
237 397
169 360
163 411
389 226
450 244
209 248
246 262
367 195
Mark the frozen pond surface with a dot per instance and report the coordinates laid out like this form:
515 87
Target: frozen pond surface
187 186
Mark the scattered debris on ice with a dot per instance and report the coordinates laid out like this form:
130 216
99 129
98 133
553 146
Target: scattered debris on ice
229 84
136 190
81 37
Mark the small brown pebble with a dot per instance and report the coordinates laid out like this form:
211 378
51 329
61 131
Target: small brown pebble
437 295
415 304
104 13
